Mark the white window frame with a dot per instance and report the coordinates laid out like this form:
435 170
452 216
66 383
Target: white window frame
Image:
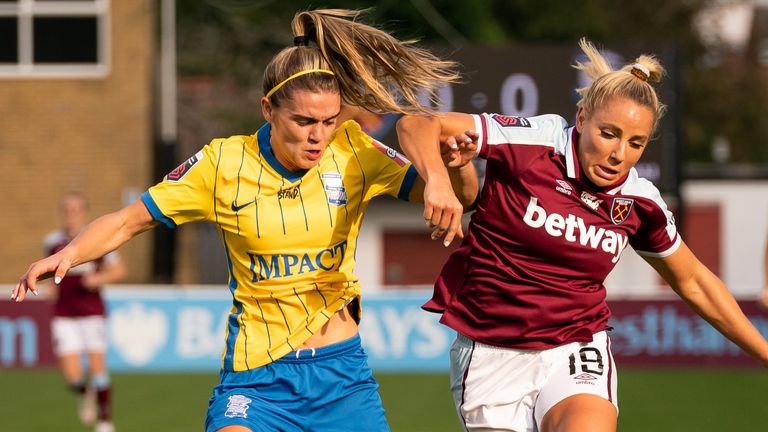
26 10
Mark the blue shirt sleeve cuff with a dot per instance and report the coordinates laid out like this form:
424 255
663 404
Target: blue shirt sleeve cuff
154 210
405 188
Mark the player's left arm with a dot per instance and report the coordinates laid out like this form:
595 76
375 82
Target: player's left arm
457 153
708 296
446 192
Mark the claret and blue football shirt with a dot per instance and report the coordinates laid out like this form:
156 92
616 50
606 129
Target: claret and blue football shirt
530 271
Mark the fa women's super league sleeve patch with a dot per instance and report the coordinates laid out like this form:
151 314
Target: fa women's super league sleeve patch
391 153
180 171
511 121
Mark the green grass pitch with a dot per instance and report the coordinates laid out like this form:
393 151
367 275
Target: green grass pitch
650 399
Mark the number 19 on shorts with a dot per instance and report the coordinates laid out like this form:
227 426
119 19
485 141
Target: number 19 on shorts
589 360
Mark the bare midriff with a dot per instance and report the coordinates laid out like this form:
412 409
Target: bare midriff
340 327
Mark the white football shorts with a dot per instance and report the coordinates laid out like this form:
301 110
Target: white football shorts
497 388
73 335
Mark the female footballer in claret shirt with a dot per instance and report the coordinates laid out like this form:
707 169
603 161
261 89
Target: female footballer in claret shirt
525 290
288 202
78 326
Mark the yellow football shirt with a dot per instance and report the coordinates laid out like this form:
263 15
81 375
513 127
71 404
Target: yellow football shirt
290 237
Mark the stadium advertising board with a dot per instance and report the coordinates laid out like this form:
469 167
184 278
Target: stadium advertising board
172 330
169 330
25 335
668 333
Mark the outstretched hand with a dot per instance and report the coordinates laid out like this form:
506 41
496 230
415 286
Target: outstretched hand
442 211
459 150
54 265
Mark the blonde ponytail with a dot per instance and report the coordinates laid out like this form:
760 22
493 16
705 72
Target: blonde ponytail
373 70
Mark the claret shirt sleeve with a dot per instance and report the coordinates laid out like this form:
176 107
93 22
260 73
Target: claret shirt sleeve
186 194
500 137
657 235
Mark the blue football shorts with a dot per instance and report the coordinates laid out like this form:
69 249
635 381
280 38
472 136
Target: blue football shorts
326 389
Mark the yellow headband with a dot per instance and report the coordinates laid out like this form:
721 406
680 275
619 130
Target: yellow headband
296 75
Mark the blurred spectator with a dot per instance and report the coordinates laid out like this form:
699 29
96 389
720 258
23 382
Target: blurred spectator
78 326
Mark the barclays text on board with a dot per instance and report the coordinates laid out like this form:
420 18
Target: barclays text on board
161 331
183 330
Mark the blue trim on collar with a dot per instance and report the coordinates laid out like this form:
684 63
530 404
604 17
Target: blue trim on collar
266 152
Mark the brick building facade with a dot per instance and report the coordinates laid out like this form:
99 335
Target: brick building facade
87 127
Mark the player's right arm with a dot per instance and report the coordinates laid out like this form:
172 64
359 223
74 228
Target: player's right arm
100 237
420 138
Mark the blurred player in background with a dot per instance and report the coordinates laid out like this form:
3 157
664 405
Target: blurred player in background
288 202
78 324
525 289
